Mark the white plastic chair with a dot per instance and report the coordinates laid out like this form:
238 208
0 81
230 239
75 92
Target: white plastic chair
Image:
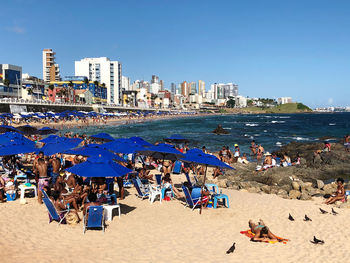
153 193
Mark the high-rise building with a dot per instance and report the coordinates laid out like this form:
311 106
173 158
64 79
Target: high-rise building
201 88
185 89
155 79
51 70
161 85
173 88
224 91
193 88
104 71
126 83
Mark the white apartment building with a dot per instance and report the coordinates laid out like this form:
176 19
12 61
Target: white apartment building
155 88
284 100
104 71
224 91
126 83
51 70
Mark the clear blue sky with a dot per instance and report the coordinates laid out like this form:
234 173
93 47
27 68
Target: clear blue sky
297 48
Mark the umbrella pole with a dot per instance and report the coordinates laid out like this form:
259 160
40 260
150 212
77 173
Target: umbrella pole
205 176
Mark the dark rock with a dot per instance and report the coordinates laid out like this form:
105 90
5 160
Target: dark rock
220 130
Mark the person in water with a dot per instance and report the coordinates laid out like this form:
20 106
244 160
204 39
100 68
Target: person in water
262 232
339 194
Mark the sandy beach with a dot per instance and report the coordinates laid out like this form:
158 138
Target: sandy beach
169 233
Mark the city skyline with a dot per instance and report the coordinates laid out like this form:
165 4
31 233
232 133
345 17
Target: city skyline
269 49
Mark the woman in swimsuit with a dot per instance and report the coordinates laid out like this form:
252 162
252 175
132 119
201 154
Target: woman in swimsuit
261 231
339 194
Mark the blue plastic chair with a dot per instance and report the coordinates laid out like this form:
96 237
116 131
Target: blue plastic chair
191 202
94 218
188 179
142 194
53 214
219 197
159 179
177 167
213 188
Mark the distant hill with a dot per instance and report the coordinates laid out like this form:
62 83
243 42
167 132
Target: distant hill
283 108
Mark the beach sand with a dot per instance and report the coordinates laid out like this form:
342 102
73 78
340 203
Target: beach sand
168 232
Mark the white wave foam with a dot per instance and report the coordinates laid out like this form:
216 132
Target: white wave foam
277 121
252 124
332 124
284 117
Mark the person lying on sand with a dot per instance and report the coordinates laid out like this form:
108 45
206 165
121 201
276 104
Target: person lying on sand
261 231
339 194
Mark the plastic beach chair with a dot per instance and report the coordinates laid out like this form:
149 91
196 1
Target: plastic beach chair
177 167
188 179
53 214
153 193
94 218
141 192
191 202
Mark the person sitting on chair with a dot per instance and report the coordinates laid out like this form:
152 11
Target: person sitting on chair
92 202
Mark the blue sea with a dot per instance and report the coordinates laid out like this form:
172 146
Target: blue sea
270 130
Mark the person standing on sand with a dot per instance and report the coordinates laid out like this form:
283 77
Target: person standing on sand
43 180
56 166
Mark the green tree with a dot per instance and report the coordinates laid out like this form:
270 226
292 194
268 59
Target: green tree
69 90
51 87
231 103
86 81
7 82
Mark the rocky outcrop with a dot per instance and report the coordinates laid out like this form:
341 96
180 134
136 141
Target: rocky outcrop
314 176
220 130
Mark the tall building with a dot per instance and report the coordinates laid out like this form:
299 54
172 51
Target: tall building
104 71
155 79
173 88
51 70
161 85
224 91
193 88
126 83
185 89
10 81
201 88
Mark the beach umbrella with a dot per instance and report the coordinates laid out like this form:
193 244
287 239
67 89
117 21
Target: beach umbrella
27 129
122 145
98 166
94 150
14 137
60 146
17 146
140 141
199 157
46 130
6 128
162 151
51 138
102 137
176 138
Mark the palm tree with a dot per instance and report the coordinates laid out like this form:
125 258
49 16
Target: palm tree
86 81
70 87
7 82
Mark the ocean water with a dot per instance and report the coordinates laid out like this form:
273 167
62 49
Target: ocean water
270 130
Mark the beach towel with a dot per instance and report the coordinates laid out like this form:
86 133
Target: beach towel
250 234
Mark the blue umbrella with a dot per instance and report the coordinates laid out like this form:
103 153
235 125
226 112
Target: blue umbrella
16 148
59 146
51 138
13 138
140 141
162 151
176 138
99 167
124 146
199 157
94 150
46 130
102 137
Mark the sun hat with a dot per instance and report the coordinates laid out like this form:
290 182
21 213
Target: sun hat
236 144
267 154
